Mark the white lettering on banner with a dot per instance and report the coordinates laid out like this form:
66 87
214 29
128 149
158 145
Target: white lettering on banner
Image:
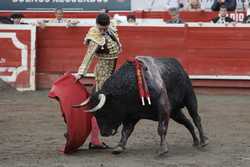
237 16
2 60
241 16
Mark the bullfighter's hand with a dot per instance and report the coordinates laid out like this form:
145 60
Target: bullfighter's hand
77 76
120 48
41 24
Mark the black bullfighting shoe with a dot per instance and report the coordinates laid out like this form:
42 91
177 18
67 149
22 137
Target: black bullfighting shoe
99 146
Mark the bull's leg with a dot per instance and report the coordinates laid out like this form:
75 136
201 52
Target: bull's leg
164 114
193 111
180 118
127 129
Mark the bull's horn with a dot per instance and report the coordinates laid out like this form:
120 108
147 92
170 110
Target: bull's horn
81 104
102 99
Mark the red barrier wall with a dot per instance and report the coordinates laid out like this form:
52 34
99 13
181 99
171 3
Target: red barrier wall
207 53
17 56
218 51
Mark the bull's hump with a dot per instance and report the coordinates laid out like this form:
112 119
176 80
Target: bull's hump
122 81
154 71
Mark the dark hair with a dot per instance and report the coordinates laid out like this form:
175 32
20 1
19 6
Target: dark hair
173 10
103 19
5 20
104 10
16 16
223 6
58 9
131 17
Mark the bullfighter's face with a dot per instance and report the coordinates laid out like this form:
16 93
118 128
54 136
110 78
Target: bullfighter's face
102 29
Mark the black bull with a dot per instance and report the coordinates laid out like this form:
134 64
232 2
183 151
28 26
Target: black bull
118 102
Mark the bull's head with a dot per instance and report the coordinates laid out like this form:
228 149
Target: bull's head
102 108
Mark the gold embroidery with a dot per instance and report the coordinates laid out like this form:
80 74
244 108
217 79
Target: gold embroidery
95 35
106 62
103 71
83 69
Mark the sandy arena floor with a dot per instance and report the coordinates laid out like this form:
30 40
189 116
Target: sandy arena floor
32 128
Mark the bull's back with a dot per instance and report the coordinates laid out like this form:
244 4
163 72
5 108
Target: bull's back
178 84
123 84
123 81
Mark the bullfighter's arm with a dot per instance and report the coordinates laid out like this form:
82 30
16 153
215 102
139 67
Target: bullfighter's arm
83 69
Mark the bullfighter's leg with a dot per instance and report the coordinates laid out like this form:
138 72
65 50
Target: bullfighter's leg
180 118
193 111
95 132
127 129
163 108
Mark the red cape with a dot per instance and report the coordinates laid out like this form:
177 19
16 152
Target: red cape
68 93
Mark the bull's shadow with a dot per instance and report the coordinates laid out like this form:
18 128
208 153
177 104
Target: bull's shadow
144 149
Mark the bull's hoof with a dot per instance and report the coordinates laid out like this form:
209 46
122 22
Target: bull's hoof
204 142
196 143
162 151
118 150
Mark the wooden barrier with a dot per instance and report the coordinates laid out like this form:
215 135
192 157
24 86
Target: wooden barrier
213 55
17 56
